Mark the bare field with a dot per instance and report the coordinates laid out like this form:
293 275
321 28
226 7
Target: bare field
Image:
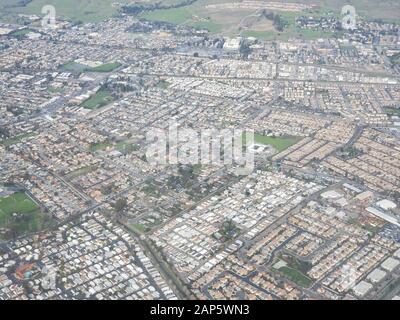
261 25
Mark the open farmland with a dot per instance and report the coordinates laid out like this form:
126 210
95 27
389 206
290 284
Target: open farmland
233 18
75 10
229 18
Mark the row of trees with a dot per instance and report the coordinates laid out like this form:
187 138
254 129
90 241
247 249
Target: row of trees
139 8
276 19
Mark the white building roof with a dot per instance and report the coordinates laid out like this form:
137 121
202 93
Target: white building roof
376 276
362 288
386 204
390 264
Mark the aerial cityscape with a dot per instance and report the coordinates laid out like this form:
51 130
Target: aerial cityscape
199 150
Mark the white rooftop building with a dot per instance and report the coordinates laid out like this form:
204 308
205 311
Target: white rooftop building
232 43
386 204
376 276
390 264
362 288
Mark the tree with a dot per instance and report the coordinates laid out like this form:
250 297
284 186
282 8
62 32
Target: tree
245 49
106 190
279 24
120 204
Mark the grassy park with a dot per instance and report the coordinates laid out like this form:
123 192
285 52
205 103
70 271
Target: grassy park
100 146
107 67
296 276
17 139
279 143
21 32
18 202
294 270
20 215
73 67
98 100
138 228
78 68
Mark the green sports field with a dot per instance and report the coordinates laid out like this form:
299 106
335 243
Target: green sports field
296 276
73 67
17 139
107 67
78 68
20 214
279 143
18 202
100 146
98 100
21 32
